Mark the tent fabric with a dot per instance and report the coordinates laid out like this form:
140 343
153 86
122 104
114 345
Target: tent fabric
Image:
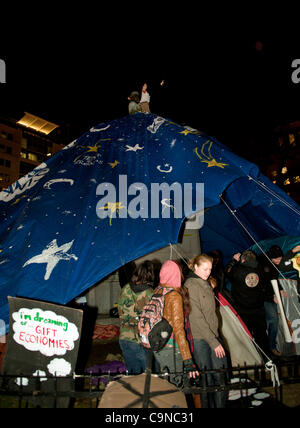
237 337
55 241
268 215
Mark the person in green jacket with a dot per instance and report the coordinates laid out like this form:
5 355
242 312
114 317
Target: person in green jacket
132 300
134 104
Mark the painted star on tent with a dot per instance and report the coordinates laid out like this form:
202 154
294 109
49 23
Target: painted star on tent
113 164
213 162
207 157
52 255
113 207
134 149
186 132
93 149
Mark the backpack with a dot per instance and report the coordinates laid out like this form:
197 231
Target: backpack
154 330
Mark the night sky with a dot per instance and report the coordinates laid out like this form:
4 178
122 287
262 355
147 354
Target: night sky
233 83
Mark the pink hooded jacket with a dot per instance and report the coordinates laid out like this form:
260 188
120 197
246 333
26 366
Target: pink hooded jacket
170 276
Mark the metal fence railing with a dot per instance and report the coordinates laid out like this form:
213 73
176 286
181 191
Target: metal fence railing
86 390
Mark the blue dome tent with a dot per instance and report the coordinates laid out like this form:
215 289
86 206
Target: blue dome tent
122 190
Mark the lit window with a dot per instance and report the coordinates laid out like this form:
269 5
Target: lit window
24 143
291 138
4 178
287 182
284 170
32 156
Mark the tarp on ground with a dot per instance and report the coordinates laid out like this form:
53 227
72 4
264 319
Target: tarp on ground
94 206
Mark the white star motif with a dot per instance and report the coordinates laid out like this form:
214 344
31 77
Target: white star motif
133 148
52 255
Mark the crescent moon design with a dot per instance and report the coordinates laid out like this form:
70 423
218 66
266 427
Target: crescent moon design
163 170
93 129
58 180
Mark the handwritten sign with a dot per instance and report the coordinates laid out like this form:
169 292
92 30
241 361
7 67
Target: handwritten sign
45 332
43 342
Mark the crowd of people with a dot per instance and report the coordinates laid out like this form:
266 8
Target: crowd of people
190 308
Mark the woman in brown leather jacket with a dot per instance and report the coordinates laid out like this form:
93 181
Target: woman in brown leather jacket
175 357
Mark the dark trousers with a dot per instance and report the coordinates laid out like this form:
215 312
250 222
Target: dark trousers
170 361
205 358
272 319
257 325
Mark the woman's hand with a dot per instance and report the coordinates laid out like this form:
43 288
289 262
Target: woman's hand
190 367
193 374
219 350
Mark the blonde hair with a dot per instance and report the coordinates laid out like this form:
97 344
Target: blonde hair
198 260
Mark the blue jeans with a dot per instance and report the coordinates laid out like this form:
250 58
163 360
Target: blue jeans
205 358
135 355
272 320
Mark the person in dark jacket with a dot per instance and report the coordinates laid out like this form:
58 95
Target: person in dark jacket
248 293
284 262
275 263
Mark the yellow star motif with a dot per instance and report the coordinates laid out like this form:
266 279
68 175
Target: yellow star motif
207 158
113 207
213 162
93 149
113 164
90 149
186 132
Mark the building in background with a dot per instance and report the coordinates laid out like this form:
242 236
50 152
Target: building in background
283 163
25 144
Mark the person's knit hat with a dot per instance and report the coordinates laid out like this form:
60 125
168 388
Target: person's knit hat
170 274
274 252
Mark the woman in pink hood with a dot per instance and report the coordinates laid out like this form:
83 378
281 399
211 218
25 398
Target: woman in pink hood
175 357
